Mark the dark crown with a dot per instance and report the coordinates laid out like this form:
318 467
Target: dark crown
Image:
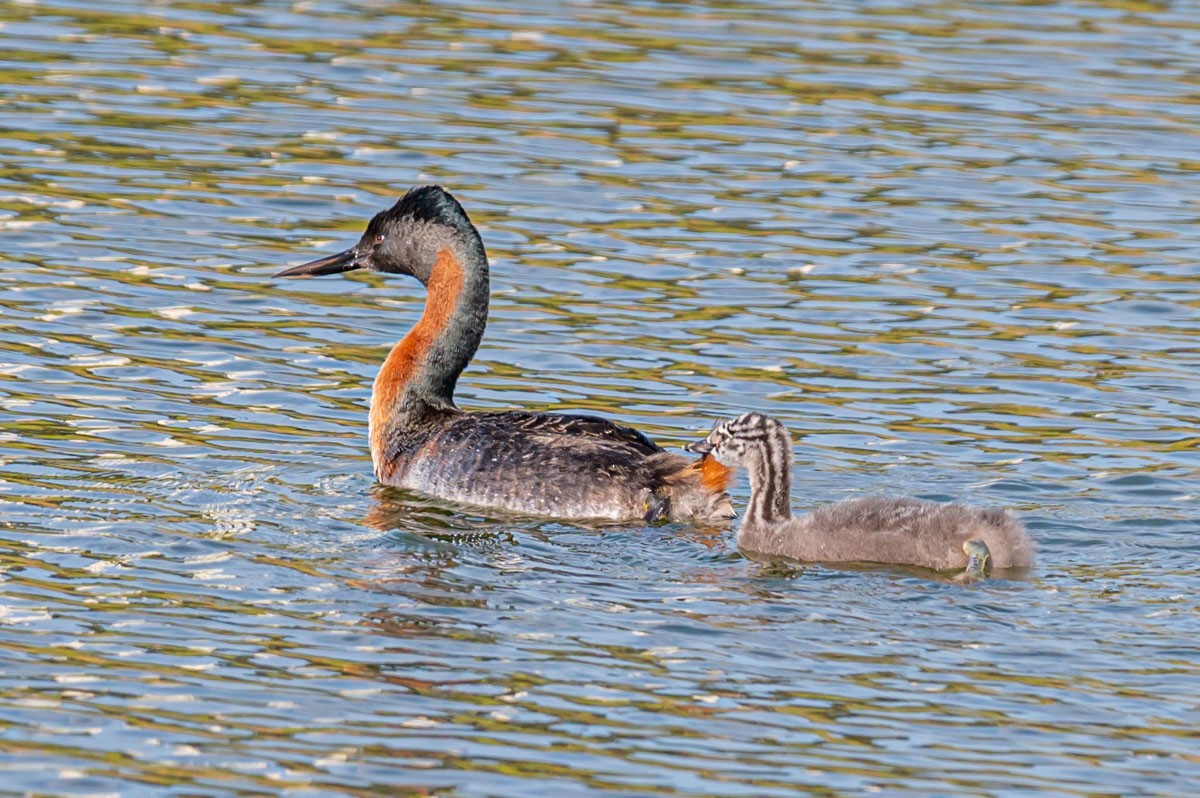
428 204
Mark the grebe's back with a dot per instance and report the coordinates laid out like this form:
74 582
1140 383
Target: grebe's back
557 465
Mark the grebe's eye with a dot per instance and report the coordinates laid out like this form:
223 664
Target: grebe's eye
379 239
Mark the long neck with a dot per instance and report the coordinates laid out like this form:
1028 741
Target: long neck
421 371
771 478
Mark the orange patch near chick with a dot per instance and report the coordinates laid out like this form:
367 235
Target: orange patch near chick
714 476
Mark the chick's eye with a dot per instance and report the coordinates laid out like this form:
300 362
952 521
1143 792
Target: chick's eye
379 239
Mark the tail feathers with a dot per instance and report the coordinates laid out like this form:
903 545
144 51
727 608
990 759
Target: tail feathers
695 489
1010 544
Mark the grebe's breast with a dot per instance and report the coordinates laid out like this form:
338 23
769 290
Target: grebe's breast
565 466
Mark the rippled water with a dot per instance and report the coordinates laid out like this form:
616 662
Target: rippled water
952 245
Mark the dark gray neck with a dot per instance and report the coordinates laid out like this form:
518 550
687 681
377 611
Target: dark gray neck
420 373
451 328
770 477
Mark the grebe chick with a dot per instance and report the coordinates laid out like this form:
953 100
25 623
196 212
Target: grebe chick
550 464
897 531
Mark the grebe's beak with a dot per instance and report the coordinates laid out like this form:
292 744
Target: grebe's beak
699 447
330 264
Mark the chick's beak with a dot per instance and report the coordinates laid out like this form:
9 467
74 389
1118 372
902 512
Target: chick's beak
330 264
699 447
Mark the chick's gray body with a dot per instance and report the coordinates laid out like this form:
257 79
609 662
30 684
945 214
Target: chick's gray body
899 531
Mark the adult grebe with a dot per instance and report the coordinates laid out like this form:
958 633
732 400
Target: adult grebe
549 464
899 531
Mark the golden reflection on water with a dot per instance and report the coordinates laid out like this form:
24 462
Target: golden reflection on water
952 247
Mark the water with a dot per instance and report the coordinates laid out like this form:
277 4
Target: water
953 246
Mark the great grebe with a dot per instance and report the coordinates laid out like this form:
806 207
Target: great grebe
557 465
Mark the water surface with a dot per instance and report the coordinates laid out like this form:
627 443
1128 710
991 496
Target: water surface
952 246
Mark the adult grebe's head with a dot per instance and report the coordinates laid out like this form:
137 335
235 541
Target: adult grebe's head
741 441
405 239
